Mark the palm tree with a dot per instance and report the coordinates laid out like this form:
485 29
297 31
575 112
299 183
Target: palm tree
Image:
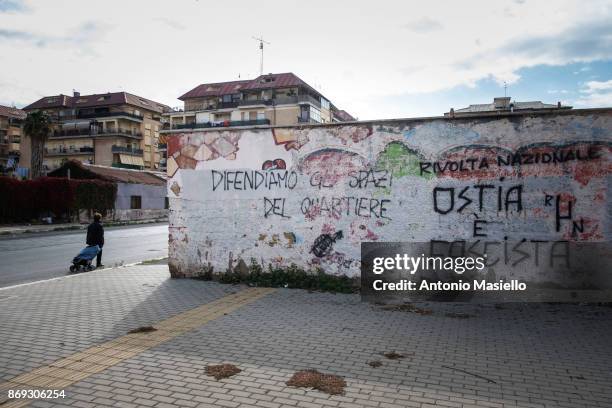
37 126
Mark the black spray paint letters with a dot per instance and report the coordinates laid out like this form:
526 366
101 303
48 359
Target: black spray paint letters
474 198
361 179
274 206
559 155
512 253
577 225
237 180
337 206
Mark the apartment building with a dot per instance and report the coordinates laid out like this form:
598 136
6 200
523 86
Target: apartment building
116 129
272 99
11 121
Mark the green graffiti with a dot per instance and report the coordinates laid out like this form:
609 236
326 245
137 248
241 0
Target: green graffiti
400 161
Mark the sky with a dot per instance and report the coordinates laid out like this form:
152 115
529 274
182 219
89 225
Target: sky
375 59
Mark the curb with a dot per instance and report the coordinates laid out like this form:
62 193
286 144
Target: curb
82 227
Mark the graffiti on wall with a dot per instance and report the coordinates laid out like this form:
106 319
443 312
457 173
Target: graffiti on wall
330 188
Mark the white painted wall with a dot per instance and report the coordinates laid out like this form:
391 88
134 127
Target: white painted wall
215 226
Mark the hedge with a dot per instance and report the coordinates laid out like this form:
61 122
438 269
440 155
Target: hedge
29 199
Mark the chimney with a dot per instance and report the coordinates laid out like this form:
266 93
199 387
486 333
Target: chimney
75 93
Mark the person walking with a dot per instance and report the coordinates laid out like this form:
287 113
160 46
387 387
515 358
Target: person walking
95 236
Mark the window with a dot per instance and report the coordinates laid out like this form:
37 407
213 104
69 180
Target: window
135 202
324 103
167 203
315 114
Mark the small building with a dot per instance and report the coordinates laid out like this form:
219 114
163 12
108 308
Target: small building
506 104
141 194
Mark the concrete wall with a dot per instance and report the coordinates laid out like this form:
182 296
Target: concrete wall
153 197
326 189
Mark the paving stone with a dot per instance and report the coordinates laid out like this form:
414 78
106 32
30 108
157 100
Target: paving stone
520 356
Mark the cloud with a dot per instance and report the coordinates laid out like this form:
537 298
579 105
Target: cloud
171 23
598 86
82 36
424 25
586 42
11 6
596 94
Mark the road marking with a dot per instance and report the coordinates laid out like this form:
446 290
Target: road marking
78 366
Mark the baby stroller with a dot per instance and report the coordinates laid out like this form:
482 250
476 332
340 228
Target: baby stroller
82 262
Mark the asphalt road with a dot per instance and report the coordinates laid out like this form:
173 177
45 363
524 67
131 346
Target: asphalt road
38 256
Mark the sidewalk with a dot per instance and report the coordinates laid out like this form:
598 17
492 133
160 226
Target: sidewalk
71 334
26 229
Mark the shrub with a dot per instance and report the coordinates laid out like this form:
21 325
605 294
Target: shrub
290 277
24 200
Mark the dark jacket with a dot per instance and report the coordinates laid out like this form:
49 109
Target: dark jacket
95 234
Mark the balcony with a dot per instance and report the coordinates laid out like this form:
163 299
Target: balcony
228 123
283 100
86 132
255 102
107 114
126 150
307 121
60 151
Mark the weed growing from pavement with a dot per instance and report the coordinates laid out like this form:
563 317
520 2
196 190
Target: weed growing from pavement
292 277
331 384
143 329
408 307
222 371
392 355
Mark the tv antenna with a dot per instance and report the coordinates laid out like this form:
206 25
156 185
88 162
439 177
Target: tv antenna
261 47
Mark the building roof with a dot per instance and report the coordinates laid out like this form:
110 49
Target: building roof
80 170
215 89
344 116
273 81
505 104
87 101
12 112
267 81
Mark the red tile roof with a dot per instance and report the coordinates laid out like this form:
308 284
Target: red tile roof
12 112
80 170
268 81
344 116
86 101
215 89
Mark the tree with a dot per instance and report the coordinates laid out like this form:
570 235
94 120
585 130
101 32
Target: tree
37 126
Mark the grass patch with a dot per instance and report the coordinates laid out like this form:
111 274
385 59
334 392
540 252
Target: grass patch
222 371
330 384
292 277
